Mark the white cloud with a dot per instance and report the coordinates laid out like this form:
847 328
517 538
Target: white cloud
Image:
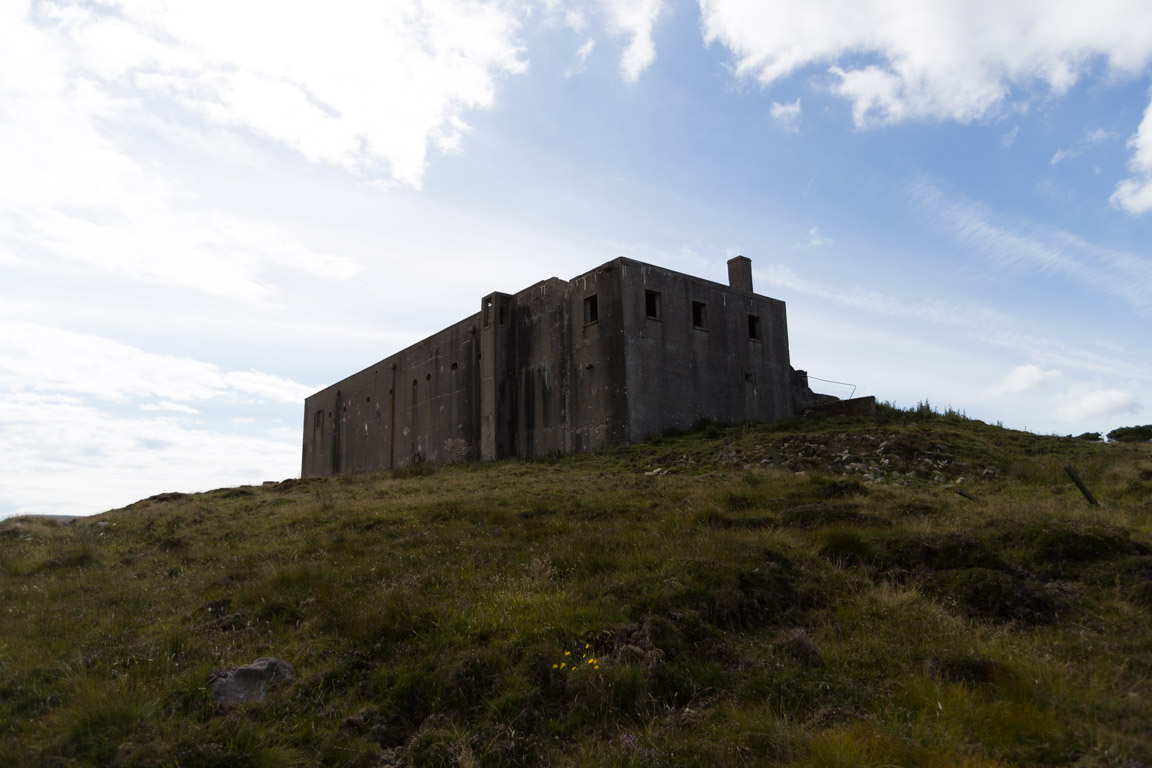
1023 378
1009 138
62 415
634 19
786 116
574 20
40 359
582 55
816 239
167 405
1084 402
959 60
72 193
945 59
367 87
1134 195
63 456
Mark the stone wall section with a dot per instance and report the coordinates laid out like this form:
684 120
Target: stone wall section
699 350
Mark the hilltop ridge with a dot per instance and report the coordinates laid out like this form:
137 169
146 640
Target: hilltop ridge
813 592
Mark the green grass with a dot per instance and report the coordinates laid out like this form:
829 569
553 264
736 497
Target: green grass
808 593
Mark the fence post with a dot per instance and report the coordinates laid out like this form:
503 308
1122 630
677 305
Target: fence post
1080 484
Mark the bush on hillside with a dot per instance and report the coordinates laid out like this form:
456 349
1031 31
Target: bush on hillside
1142 434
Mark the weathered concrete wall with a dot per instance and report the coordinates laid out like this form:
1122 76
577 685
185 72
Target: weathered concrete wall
417 405
701 350
542 367
599 413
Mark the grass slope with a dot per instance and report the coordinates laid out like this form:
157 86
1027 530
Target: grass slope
810 593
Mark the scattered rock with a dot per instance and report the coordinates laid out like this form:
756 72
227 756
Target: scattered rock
250 681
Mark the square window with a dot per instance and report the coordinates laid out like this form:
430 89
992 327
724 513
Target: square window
591 311
699 314
652 304
754 327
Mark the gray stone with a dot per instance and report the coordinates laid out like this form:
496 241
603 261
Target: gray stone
250 682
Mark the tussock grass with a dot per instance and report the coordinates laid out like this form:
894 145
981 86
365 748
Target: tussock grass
809 593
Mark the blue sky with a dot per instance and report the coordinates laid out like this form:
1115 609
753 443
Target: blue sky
210 210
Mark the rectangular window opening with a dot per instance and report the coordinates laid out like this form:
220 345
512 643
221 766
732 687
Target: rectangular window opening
754 327
699 314
318 420
750 378
487 312
591 311
652 304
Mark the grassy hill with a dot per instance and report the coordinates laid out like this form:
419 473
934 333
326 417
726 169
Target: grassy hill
809 593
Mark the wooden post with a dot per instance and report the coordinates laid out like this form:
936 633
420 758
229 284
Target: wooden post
1080 484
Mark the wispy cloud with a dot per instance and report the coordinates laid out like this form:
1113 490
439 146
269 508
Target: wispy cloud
582 55
817 239
786 116
109 460
1023 378
66 408
37 358
1089 139
944 313
1021 246
1088 401
167 405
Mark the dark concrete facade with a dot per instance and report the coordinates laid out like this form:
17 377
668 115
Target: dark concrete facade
614 356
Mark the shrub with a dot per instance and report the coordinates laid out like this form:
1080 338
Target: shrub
1141 434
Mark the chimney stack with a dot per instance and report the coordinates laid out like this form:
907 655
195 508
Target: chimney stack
740 274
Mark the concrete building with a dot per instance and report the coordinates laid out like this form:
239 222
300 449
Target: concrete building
614 356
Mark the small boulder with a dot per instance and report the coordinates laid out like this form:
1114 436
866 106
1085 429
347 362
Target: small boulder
249 682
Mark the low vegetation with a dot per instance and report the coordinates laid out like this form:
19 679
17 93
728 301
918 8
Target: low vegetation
811 593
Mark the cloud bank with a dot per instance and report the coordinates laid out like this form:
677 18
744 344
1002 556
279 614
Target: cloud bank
959 60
